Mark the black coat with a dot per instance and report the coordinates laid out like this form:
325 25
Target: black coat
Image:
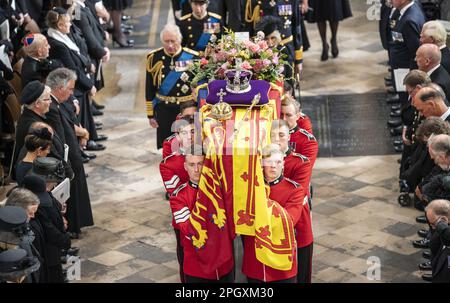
445 58
403 50
442 78
92 32
40 250
383 25
27 118
440 252
33 69
79 212
53 118
52 223
74 61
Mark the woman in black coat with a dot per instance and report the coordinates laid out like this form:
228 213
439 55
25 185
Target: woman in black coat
72 57
332 11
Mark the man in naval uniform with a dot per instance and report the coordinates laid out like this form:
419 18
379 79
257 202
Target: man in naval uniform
198 27
167 81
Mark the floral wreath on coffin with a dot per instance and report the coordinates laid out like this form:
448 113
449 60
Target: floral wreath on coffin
224 54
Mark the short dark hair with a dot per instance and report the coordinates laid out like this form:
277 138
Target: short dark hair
187 104
432 125
416 77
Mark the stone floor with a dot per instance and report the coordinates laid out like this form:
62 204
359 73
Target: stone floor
355 213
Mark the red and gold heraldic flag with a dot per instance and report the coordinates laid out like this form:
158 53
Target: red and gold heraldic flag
233 198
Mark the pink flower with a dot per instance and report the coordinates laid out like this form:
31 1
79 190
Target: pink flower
246 65
224 66
254 48
221 56
233 51
263 44
203 61
275 60
266 62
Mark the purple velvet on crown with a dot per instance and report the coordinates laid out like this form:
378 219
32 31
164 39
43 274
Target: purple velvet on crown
257 86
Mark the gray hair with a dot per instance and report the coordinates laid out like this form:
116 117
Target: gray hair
440 144
47 90
172 28
439 207
33 49
431 52
435 30
23 198
60 77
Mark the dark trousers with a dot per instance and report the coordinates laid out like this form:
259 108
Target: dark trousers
290 280
180 255
228 278
304 263
55 274
165 115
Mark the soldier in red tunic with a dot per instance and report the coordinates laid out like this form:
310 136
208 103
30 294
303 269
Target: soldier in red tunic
289 194
302 141
298 168
182 202
182 135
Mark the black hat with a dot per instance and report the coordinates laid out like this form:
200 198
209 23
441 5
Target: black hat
51 169
268 25
14 263
12 217
31 92
36 184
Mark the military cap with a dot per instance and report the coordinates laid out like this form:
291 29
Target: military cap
12 217
14 263
31 92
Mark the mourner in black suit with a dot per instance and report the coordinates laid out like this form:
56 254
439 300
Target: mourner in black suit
428 59
71 56
36 65
79 213
438 215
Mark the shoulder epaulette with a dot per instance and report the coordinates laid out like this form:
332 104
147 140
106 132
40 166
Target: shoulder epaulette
170 137
190 51
292 182
308 134
304 158
215 15
167 158
151 53
186 17
176 191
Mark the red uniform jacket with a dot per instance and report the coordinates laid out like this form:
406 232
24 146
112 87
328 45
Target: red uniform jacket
182 202
289 195
298 168
172 172
304 143
305 122
168 143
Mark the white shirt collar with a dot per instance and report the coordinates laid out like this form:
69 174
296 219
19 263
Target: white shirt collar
403 10
433 69
442 47
446 114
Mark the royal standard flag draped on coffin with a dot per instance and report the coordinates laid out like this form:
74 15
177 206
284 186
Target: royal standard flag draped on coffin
233 198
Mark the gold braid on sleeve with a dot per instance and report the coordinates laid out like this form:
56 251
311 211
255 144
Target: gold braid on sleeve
252 16
155 71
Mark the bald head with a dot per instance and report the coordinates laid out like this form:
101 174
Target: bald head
37 46
428 56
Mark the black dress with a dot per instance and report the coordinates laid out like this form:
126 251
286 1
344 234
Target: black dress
330 10
117 5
